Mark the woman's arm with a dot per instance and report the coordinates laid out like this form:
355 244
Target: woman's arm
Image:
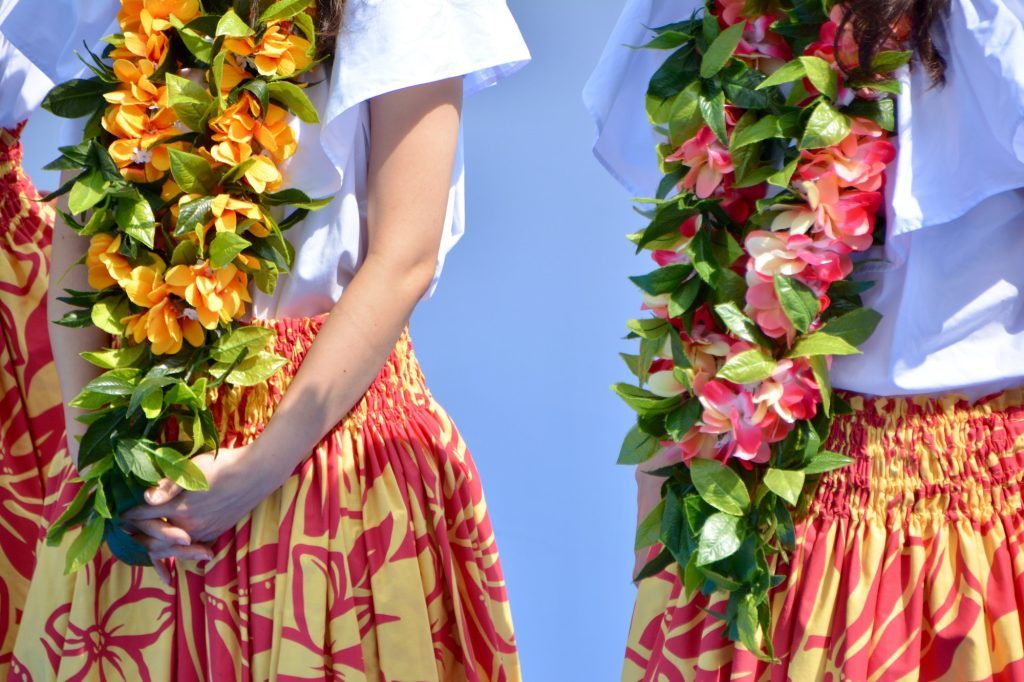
413 139
73 372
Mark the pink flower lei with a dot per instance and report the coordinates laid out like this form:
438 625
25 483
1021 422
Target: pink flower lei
775 163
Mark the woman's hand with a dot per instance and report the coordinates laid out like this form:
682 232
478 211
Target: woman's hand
180 524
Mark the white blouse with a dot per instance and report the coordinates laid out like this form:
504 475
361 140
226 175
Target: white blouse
385 45
22 85
950 286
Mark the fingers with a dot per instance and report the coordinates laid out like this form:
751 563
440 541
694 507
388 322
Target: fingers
194 552
163 492
163 570
143 512
159 534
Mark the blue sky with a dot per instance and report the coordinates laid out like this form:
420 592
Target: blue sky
521 342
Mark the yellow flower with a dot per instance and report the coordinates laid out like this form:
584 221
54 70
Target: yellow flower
165 325
263 175
232 75
279 53
238 122
145 286
217 295
226 211
106 265
155 14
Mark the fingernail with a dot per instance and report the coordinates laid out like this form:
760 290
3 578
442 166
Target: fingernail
183 543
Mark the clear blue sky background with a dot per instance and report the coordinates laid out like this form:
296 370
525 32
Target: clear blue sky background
520 344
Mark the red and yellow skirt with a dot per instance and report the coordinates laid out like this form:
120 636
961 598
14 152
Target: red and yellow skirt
375 561
31 414
909 566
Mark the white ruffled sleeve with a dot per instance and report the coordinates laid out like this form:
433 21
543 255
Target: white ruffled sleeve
963 142
616 93
387 45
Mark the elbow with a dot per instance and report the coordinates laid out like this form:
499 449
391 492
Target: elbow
411 277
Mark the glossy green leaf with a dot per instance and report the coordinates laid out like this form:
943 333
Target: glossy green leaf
649 530
719 538
826 461
233 26
721 50
108 313
85 546
748 367
190 101
720 486
193 173
799 303
821 75
825 127
225 247
638 447
180 469
786 484
295 100
88 190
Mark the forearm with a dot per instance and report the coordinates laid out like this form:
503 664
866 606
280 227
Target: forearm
72 371
346 356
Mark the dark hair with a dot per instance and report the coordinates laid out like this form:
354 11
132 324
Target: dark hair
874 24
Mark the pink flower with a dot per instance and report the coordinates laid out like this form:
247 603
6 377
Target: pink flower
848 217
745 424
708 160
696 443
858 161
766 50
791 391
820 259
677 254
764 308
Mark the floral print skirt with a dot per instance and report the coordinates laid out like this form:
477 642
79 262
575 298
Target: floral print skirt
31 413
375 561
909 566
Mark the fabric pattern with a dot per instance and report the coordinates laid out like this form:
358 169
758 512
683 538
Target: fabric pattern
375 561
31 415
909 564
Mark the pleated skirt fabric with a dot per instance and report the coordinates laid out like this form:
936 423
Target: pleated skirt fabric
375 561
909 565
31 414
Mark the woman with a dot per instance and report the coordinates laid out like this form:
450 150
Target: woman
31 423
344 534
910 562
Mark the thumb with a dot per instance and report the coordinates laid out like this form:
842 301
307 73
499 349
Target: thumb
163 492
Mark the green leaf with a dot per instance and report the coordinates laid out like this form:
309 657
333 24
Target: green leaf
258 87
295 99
747 624
713 111
87 191
783 176
230 346
296 198
85 546
748 367
284 9
882 111
198 44
719 538
190 101
765 128
667 41
225 246
649 328
685 120
826 461
649 531
819 366
77 98
888 61
820 343
786 484
798 302
655 565
702 256
663 280
100 502
684 297
721 50
135 216
192 214
180 469
638 447
791 71
116 382
194 174
644 402
136 457
70 514
251 371
152 404
821 75
825 127
108 313
97 439
233 26
739 324
720 486
679 421
855 327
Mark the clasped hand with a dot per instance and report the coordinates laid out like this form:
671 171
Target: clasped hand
178 524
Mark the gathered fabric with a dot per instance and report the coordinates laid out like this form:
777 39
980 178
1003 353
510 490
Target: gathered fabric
31 413
908 566
374 561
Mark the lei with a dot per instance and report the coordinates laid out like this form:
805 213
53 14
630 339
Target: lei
773 166
180 196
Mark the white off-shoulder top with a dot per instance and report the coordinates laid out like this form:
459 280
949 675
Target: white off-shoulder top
952 272
385 45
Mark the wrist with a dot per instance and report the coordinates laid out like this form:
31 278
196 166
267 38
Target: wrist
272 457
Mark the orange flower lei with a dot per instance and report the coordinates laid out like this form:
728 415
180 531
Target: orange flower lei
188 126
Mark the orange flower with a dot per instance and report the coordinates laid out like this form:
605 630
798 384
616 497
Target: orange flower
276 136
137 87
138 152
141 45
155 14
226 211
238 122
145 286
232 75
279 53
165 325
105 263
217 295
